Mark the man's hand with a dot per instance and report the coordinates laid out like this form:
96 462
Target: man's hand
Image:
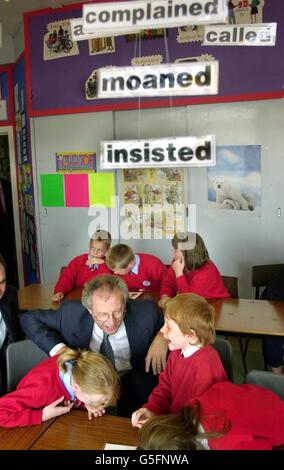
56 408
164 300
157 354
57 297
140 417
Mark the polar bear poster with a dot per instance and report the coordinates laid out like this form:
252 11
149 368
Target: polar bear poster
234 184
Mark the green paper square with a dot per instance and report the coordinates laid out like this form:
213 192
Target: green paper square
52 190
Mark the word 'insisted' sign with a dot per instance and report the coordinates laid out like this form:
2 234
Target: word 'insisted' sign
242 35
165 152
108 18
194 78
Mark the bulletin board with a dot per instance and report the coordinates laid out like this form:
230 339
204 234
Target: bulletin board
25 177
58 86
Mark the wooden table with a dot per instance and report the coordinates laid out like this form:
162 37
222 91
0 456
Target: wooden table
74 431
37 296
21 438
233 316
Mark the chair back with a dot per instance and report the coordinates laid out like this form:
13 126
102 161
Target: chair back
21 357
231 282
274 382
225 351
262 274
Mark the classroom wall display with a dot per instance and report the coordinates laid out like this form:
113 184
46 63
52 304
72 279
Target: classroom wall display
57 42
153 202
195 78
101 18
77 190
58 86
75 161
25 178
165 152
234 184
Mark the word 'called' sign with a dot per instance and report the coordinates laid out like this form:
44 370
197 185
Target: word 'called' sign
108 18
194 78
262 34
154 153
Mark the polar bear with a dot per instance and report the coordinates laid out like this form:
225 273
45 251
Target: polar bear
225 191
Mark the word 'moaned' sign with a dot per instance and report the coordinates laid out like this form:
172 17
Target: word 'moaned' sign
193 78
157 153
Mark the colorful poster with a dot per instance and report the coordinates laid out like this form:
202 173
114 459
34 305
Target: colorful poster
153 201
75 161
234 184
57 42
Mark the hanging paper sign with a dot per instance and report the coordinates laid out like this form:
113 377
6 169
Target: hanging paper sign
152 153
75 161
78 33
135 15
240 35
195 78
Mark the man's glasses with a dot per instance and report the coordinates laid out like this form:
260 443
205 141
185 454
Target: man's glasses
103 317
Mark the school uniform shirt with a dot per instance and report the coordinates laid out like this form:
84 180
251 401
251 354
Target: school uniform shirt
77 273
40 387
255 413
147 273
185 378
205 281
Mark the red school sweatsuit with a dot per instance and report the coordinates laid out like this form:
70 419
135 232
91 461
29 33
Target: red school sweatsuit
205 281
185 378
77 273
151 272
40 387
255 413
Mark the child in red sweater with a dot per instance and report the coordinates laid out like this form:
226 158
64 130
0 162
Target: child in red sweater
85 267
193 365
234 417
140 271
192 271
79 378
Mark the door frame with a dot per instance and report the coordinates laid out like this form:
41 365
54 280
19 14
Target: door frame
8 130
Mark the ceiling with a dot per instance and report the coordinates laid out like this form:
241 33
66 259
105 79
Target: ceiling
11 13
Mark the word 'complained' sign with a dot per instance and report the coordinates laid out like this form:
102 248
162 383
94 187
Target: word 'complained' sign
241 35
154 153
108 18
198 78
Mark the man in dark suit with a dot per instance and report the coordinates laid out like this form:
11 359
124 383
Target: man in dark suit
108 322
10 330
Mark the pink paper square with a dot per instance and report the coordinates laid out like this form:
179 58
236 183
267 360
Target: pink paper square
76 190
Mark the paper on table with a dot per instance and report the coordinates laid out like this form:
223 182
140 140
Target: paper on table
134 295
109 446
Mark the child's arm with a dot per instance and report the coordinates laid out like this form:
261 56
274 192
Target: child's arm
169 285
68 277
161 397
140 417
56 408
